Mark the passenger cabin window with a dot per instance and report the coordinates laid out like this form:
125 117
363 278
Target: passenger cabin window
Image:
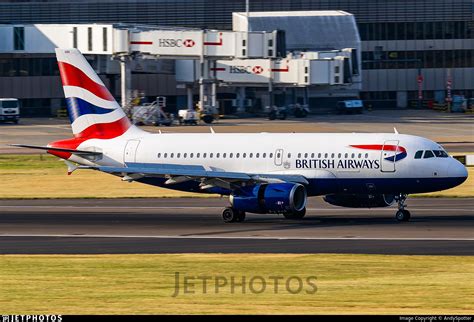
428 154
418 154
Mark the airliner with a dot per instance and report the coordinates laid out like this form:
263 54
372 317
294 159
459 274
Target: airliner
264 173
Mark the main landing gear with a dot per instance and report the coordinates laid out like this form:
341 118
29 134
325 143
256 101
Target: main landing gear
402 214
232 215
295 215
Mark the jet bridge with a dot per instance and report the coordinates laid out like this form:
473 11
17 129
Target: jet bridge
127 42
207 57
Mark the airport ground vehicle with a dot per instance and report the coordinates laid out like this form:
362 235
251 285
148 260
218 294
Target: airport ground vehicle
152 113
260 172
9 110
350 106
188 117
277 112
282 112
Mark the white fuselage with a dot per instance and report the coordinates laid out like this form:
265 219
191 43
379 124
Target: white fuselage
316 156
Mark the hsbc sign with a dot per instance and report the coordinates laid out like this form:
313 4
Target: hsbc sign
245 69
188 43
257 69
171 42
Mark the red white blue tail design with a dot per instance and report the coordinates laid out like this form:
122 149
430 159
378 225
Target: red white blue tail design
93 111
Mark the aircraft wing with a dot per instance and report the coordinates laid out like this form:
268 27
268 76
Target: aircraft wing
207 177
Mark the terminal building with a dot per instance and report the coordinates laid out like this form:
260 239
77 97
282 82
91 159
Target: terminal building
410 51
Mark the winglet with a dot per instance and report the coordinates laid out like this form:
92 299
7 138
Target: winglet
395 130
212 130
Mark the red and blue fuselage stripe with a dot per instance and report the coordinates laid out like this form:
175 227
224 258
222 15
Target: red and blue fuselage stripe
400 151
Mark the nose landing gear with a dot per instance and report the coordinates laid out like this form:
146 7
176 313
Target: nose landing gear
402 214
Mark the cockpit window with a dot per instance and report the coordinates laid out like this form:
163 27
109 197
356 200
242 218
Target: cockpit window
428 154
440 154
418 154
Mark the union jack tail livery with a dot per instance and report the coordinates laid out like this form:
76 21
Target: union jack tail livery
93 111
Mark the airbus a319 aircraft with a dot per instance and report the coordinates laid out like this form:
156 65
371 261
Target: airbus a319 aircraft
260 172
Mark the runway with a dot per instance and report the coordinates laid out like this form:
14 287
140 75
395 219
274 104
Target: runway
117 226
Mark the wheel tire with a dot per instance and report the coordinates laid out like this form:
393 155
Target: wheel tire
295 215
403 215
283 116
208 119
240 216
304 113
272 116
229 215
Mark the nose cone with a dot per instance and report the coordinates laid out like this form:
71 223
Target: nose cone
458 172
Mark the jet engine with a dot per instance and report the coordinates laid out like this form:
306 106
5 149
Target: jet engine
360 200
271 198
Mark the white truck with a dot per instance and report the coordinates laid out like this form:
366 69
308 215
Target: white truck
9 110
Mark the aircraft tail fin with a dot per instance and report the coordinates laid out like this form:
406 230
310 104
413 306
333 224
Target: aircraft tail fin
93 111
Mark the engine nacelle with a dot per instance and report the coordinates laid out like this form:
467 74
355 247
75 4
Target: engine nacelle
360 201
271 198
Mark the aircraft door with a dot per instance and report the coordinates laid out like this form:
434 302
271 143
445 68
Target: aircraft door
129 154
388 156
278 157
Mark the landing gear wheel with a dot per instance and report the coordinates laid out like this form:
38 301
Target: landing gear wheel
240 216
229 215
295 215
403 215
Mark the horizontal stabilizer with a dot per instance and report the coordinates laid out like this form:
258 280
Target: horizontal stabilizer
47 148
